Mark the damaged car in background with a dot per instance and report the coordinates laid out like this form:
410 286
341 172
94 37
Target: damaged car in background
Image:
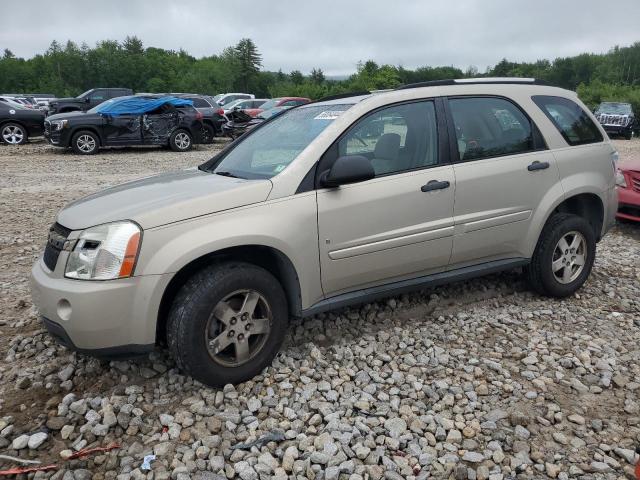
617 119
125 121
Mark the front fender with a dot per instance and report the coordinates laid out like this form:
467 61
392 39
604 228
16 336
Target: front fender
288 225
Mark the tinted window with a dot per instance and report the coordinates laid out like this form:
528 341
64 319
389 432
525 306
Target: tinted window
490 127
395 139
570 119
199 102
98 96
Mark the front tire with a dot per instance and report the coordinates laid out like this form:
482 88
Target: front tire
85 142
13 134
563 257
180 141
227 323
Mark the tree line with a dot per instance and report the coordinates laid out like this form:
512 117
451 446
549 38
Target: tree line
69 69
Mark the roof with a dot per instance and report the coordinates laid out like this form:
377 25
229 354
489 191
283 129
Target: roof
135 105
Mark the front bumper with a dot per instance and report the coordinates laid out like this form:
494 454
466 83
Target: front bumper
57 138
617 129
628 204
105 318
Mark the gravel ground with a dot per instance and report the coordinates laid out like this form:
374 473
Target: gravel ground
477 380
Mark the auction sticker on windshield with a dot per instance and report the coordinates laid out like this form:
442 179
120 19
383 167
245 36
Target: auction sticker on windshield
329 115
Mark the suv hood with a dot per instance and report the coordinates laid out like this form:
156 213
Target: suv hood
163 199
64 100
67 115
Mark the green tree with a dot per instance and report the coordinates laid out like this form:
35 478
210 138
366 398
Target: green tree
317 76
296 77
248 62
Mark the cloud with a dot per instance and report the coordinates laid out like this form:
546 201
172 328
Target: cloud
335 34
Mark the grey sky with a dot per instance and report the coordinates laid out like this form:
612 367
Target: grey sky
334 35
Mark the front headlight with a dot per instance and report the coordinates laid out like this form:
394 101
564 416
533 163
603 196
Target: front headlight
620 180
105 252
58 124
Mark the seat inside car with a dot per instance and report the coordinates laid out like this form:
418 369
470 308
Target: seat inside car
386 153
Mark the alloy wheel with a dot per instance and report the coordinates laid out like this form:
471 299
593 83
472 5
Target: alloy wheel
86 143
569 257
182 141
12 134
238 328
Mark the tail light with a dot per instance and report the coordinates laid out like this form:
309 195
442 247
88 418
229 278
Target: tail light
220 111
199 116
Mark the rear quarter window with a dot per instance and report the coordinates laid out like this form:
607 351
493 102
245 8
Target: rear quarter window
573 123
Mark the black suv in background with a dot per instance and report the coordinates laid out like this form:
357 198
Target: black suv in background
85 132
213 116
617 118
87 100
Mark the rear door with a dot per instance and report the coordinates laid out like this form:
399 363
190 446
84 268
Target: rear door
398 225
503 170
158 125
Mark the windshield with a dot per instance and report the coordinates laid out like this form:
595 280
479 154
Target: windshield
615 108
230 105
270 104
271 112
13 104
268 150
82 95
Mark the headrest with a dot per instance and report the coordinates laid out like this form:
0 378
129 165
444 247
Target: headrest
387 147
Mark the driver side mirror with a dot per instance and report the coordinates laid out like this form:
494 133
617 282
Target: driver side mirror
347 169
87 99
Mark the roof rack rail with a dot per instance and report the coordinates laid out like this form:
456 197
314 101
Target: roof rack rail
343 95
475 81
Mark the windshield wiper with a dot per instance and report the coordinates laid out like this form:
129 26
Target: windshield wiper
228 174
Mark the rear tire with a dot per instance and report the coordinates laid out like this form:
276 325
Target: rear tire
180 141
13 134
628 135
208 133
563 257
227 323
85 142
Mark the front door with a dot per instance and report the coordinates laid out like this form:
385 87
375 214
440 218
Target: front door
398 225
502 175
122 129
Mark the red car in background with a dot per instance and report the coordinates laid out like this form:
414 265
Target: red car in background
284 102
628 182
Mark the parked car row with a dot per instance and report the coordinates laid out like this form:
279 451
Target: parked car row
77 114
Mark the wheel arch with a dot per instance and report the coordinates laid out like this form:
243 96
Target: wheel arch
269 258
587 205
91 129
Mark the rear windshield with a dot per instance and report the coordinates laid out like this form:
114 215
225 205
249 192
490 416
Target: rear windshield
570 119
270 148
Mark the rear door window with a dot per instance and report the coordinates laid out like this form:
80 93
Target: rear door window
573 123
199 102
490 127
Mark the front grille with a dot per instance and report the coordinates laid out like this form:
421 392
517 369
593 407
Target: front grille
613 120
55 243
635 181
